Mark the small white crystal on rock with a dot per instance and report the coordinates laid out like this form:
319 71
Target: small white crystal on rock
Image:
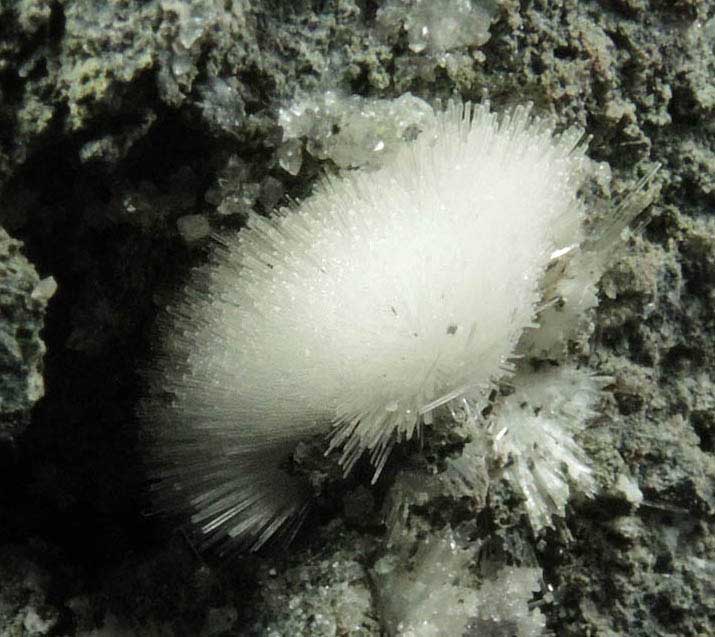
439 25
352 131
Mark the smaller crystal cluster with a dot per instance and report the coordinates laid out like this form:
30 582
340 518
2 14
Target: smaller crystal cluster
234 193
439 25
431 591
530 438
350 130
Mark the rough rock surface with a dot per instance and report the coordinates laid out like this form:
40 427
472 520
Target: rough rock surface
23 299
129 129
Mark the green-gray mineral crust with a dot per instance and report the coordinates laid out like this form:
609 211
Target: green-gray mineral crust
23 299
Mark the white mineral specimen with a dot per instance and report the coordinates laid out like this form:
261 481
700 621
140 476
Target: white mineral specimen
359 312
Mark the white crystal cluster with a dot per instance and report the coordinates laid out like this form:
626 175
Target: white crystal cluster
388 294
434 593
350 130
439 25
570 282
530 439
538 449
